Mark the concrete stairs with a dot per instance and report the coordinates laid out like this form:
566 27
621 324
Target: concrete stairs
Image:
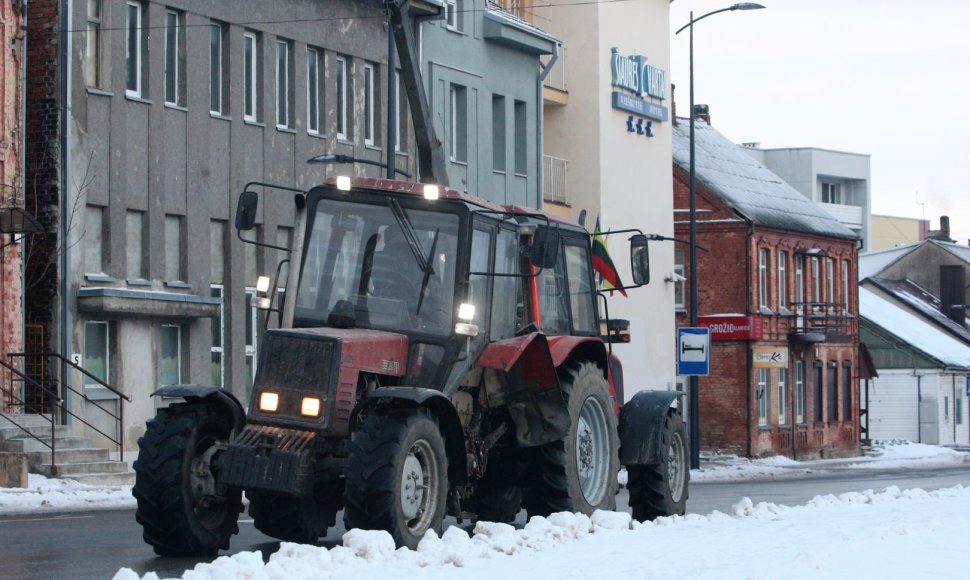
74 457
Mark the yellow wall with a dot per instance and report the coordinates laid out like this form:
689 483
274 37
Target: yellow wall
889 232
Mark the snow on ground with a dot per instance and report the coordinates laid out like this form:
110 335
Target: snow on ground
63 495
890 534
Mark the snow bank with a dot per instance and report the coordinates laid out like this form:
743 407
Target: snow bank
55 495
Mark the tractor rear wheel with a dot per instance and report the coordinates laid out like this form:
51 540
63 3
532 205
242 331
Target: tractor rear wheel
661 490
291 519
578 472
397 475
180 506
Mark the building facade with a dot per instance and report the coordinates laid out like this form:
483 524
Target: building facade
777 289
838 180
606 140
173 108
891 231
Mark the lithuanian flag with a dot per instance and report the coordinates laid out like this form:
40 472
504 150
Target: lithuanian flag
603 264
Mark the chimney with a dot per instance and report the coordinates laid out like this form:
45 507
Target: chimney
702 112
942 234
945 225
953 288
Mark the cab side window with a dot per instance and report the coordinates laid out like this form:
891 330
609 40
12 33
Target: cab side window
508 302
553 295
582 298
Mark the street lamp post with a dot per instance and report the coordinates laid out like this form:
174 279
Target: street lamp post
695 414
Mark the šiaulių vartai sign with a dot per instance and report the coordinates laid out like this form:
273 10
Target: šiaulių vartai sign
639 82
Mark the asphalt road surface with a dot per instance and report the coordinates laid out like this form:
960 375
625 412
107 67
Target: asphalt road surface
97 544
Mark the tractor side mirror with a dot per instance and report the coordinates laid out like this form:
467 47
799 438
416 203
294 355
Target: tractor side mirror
640 259
246 210
545 247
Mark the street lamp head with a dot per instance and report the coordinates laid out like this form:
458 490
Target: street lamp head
747 6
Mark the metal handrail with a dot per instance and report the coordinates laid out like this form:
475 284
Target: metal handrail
23 403
119 418
824 317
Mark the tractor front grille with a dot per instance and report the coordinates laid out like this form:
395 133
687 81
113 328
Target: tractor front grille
269 459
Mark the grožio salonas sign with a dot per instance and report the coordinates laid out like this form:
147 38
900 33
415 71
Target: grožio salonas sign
633 75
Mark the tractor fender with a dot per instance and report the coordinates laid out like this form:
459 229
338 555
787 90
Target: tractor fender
221 398
443 410
641 426
591 348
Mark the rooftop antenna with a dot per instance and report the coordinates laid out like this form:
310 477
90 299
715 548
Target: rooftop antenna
922 205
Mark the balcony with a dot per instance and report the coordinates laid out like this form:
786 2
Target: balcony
820 322
555 179
850 215
554 90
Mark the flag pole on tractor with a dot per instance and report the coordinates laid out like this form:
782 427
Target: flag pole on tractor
603 264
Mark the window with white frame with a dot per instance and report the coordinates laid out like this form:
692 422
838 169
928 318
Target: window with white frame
783 396
679 278
800 280
284 80
799 391
459 124
369 112
451 14
763 277
313 90
831 192
782 279
97 351
218 325
218 96
134 44
845 285
340 77
816 280
92 51
174 57
830 276
764 397
251 75
170 363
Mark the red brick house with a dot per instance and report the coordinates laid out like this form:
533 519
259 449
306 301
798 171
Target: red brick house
778 290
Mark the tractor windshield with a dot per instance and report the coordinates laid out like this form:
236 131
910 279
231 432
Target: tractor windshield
378 266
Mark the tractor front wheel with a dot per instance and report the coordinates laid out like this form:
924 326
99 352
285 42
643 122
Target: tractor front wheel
661 489
182 510
397 475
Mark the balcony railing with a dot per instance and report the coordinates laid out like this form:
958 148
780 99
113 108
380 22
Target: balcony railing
821 322
555 179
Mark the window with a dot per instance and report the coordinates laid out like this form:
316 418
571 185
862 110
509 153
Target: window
217 251
958 408
833 394
459 124
96 352
847 391
763 397
831 193
830 275
816 280
170 365
582 298
174 57
498 133
134 43
845 284
763 278
451 14
782 279
401 112
251 75
94 240
507 291
799 280
218 331
521 143
552 299
819 371
313 90
92 52
174 242
799 391
135 238
679 278
369 112
284 80
783 396
340 75
218 35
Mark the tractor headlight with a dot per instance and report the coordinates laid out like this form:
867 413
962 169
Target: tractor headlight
269 402
310 407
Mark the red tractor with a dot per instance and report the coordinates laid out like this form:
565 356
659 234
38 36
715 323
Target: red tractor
436 355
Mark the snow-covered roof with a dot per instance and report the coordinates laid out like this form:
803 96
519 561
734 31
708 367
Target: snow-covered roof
871 263
911 329
925 303
749 187
496 10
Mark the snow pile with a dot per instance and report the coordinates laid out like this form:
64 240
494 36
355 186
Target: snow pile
895 534
53 495
900 453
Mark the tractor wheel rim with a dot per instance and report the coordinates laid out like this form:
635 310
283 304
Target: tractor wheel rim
207 506
592 451
419 482
676 468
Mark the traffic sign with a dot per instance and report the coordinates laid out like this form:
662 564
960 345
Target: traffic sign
693 351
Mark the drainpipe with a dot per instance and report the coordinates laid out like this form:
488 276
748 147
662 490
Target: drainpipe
540 119
747 309
919 408
65 61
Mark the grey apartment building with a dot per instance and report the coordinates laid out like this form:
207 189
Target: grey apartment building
146 119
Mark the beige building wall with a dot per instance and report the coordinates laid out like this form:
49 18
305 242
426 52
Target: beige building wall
889 231
622 178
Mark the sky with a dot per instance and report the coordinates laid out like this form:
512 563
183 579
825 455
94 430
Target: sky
878 533
887 78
